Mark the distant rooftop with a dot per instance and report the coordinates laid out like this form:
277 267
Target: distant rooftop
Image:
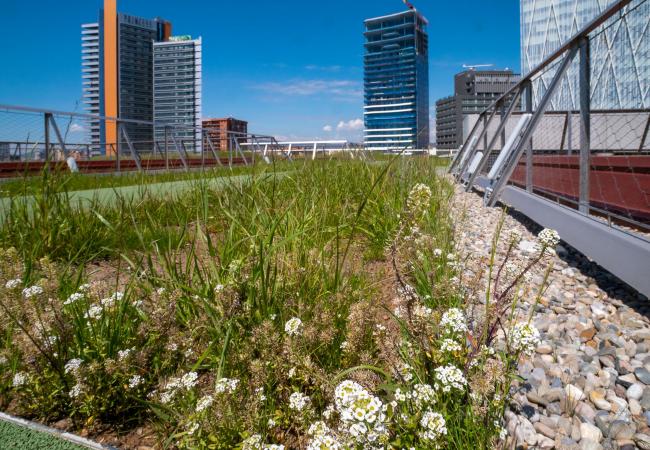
403 13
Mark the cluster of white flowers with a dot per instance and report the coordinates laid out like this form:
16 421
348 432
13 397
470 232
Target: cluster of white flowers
298 401
161 290
109 302
204 403
437 253
32 291
344 345
255 443
450 346
405 371
20 379
293 326
124 354
419 198
135 381
524 338
514 237
226 385
363 415
449 377
423 395
72 366
548 238
322 438
74 298
187 381
13 284
453 321
94 312
434 426
422 312
76 390
84 287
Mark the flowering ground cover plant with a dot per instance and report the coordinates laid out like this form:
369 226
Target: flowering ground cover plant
325 309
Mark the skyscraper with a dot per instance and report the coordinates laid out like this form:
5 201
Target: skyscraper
620 55
117 73
396 82
177 89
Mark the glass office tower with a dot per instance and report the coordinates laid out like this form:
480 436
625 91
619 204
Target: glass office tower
620 54
396 82
177 89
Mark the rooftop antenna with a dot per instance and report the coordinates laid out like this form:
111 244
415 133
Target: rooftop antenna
475 66
410 6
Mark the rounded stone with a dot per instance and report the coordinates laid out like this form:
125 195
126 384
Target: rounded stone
635 391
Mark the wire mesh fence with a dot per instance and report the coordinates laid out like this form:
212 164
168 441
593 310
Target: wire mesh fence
575 130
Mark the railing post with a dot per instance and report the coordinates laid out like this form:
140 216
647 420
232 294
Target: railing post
166 147
585 125
118 148
529 147
48 116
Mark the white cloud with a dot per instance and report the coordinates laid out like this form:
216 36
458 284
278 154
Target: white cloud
324 68
328 128
77 128
350 125
301 87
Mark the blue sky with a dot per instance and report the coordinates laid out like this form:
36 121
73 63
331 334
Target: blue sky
291 68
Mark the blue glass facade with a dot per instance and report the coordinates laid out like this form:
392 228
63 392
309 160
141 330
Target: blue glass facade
396 82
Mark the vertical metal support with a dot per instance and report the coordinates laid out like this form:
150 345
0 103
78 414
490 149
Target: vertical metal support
48 116
167 147
485 135
118 148
59 136
202 151
570 132
529 147
134 153
585 124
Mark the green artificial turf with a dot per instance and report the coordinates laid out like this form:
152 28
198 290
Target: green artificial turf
13 437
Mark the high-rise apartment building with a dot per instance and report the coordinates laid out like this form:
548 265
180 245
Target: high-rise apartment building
474 90
177 89
620 56
117 73
396 82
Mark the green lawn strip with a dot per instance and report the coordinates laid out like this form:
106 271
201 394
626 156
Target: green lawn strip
15 437
109 196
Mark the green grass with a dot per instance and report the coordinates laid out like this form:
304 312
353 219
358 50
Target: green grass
13 437
209 277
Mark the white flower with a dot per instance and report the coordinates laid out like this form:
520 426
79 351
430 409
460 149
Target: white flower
271 423
109 302
161 291
273 447
218 288
204 403
20 379
193 426
13 284
362 414
253 443
434 426
298 401
422 312
450 346
293 326
318 429
32 291
292 372
76 391
451 257
548 238
226 385
515 237
423 394
189 380
405 371
449 377
344 345
399 395
437 253
73 366
84 288
3 360
324 442
419 198
123 354
453 321
524 338
74 298
94 312
135 381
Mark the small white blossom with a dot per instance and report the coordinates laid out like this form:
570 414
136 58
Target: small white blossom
135 381
453 321
524 338
76 391
434 426
548 238
109 302
123 354
192 428
292 372
423 395
298 401
437 253
13 284
189 380
204 403
73 366
20 379
32 291
94 312
450 346
449 377
293 326
84 288
253 443
226 385
74 298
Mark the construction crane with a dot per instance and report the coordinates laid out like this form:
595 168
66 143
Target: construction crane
475 66
410 6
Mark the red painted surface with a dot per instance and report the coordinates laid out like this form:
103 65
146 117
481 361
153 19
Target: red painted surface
19 168
619 184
